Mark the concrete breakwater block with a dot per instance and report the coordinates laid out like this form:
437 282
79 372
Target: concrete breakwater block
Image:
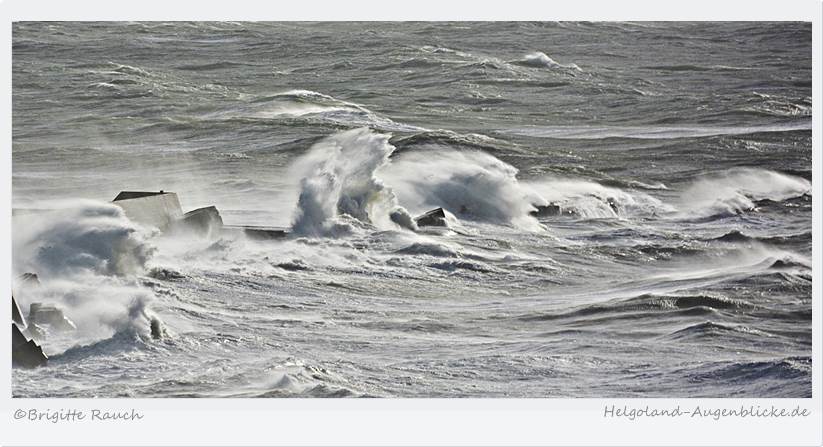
256 232
16 314
162 210
51 316
433 218
203 221
24 352
157 209
549 210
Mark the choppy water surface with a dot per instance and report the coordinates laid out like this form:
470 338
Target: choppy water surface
679 152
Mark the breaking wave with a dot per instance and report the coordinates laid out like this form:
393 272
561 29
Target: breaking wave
592 200
541 60
87 256
338 177
469 184
316 107
85 236
736 190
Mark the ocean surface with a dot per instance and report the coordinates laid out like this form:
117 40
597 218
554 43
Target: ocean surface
679 155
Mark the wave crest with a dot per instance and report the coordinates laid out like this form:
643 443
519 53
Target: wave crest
338 177
88 236
541 60
736 190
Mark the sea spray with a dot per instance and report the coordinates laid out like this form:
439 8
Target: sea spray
100 306
469 184
87 255
338 176
591 200
736 190
721 193
81 236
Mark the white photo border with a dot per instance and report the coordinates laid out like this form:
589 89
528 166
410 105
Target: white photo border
408 421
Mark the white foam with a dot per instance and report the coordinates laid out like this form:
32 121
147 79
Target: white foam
87 255
469 184
649 132
736 190
83 236
337 176
593 201
309 104
541 60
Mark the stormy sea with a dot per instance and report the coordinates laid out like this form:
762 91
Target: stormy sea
627 208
